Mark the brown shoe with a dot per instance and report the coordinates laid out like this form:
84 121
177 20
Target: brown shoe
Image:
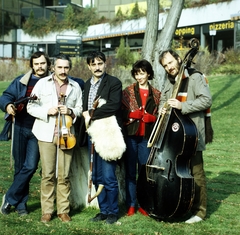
46 218
64 217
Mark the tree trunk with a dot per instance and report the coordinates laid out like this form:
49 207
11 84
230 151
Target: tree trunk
154 45
79 180
151 32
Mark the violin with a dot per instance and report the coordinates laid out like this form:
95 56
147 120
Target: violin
67 140
19 105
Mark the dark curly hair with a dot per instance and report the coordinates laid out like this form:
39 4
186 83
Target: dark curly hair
143 65
39 54
95 54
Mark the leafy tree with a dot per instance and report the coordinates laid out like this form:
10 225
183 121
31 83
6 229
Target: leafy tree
36 27
120 17
53 23
79 19
124 55
69 18
136 13
120 13
73 19
85 17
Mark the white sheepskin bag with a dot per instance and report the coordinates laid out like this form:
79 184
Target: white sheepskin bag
107 138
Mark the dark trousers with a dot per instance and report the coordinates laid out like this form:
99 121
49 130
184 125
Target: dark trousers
199 207
26 158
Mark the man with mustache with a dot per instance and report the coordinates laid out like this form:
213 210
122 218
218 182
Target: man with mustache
24 144
59 98
108 88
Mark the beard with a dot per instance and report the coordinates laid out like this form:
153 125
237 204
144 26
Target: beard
172 77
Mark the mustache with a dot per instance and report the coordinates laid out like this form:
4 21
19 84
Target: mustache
63 74
97 71
40 70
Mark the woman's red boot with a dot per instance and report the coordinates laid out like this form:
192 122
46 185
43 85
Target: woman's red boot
131 211
143 212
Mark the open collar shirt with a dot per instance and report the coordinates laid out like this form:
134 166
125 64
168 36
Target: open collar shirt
93 91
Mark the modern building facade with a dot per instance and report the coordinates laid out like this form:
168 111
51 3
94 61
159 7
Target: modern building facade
217 26
13 13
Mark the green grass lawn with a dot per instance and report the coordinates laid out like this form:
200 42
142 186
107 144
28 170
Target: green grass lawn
222 166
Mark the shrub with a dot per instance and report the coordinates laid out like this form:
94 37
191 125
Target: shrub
124 55
80 69
231 65
216 63
10 69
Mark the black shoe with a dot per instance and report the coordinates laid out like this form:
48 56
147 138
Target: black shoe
5 207
22 212
111 219
99 217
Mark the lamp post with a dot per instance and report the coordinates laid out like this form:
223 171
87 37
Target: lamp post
212 33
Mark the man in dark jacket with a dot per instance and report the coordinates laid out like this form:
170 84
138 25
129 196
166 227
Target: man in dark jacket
24 144
108 88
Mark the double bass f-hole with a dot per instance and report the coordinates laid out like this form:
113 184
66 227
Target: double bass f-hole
66 139
169 170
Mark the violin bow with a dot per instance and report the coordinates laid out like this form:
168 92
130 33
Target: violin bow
58 144
100 187
58 135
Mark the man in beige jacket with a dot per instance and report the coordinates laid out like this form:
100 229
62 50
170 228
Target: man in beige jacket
55 158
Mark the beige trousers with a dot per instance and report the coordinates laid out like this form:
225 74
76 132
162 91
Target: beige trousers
55 186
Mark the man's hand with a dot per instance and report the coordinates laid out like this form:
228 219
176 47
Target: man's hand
87 118
86 114
53 111
11 109
175 103
63 109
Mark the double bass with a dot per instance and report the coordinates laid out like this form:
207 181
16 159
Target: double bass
165 186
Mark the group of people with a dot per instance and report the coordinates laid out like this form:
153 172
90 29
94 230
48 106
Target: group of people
37 130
